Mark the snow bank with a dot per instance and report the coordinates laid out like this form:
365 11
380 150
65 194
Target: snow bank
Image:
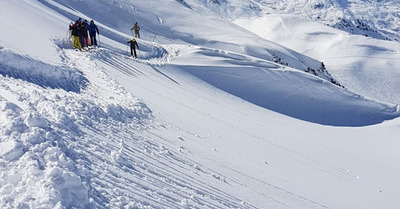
38 173
44 113
39 73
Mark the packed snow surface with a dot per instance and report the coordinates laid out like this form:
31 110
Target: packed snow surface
230 104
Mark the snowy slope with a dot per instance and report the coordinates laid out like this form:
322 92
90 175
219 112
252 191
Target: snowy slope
210 115
377 19
366 66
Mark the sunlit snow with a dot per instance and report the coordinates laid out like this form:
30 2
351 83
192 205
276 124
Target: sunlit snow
230 104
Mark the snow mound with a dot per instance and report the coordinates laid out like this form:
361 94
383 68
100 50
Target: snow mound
41 129
39 73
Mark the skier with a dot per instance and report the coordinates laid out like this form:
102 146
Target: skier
75 34
92 32
136 28
86 40
82 30
133 46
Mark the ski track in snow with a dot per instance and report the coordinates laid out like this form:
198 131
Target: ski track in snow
308 160
103 164
147 168
199 190
141 160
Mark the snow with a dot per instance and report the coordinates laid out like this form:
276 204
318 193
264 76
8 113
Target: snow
367 66
223 108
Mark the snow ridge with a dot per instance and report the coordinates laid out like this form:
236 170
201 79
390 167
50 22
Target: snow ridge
40 73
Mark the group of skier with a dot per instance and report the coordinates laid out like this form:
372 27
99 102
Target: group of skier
133 43
81 30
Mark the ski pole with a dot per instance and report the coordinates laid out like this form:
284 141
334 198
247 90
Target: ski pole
99 38
68 38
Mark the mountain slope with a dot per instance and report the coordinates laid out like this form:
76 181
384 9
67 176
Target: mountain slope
377 19
187 125
364 65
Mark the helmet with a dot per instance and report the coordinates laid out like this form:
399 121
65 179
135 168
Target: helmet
133 39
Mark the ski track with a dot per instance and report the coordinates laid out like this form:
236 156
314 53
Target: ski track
307 159
330 169
147 162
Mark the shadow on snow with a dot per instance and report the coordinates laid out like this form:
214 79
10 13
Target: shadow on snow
296 95
39 73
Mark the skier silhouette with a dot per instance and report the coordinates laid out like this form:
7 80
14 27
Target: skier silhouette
136 28
134 44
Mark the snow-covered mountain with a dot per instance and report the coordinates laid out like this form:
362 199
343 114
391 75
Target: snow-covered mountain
230 104
377 19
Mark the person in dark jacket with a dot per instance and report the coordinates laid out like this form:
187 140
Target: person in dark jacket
86 40
75 35
133 46
82 30
92 32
